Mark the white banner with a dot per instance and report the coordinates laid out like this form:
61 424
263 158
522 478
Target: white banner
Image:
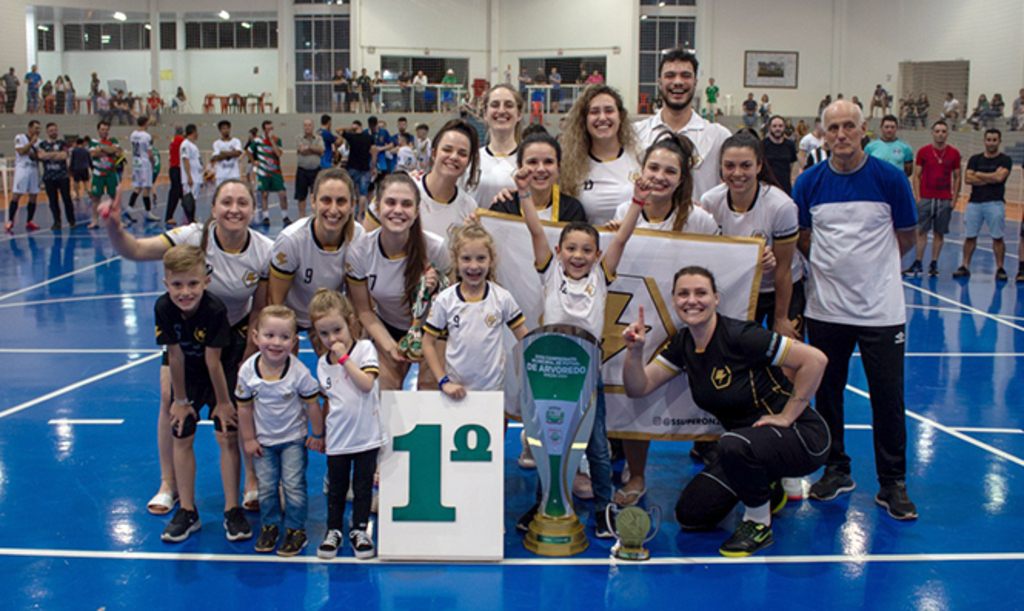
644 279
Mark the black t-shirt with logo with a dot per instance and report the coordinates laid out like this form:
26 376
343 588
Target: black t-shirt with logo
54 169
208 327
734 378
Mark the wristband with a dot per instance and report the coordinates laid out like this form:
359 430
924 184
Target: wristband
315 436
638 202
525 194
342 360
183 401
444 380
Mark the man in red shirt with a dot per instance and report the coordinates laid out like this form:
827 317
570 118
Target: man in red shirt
175 194
936 185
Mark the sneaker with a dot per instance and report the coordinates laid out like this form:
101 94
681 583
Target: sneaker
914 270
362 544
152 216
126 219
184 523
526 460
748 539
331 545
832 484
56 226
294 541
267 541
602 530
962 272
794 487
896 501
286 221
523 523
266 221
1001 275
30 226
170 222
581 486
933 269
704 451
236 527
9 226
1020 274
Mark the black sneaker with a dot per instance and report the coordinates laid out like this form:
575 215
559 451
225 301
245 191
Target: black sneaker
362 544
748 539
962 272
914 270
523 523
294 541
184 523
896 501
286 221
1001 275
236 527
933 269
331 545
832 484
778 497
602 529
267 541
266 221
704 451
1020 274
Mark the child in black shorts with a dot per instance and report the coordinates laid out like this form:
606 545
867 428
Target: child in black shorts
193 324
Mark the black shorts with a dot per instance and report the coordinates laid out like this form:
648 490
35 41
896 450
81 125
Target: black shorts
304 180
765 314
81 175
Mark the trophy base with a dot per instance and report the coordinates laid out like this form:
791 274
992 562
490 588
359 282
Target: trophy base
556 537
633 554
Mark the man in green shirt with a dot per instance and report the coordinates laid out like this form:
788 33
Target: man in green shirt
711 97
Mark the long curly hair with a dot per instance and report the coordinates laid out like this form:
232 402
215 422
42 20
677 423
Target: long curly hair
576 140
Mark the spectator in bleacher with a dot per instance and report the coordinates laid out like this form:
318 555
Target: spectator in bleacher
70 94
419 84
11 83
975 116
365 85
524 80
995 110
32 82
595 77
339 87
102 105
378 94
780 153
950 109
765 111
556 89
1017 118
178 102
325 133
749 111
48 97
890 148
405 82
879 100
94 89
61 91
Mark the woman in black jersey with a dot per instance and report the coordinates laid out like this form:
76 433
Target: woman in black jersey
734 372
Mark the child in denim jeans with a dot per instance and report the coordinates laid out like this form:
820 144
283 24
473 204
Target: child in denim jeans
273 386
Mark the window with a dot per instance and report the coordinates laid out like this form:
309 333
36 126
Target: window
321 49
114 36
168 35
44 37
659 33
230 35
668 3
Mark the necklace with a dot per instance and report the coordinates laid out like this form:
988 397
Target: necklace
941 159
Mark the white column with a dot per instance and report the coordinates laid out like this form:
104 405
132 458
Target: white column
30 40
495 73
838 45
285 96
154 45
58 38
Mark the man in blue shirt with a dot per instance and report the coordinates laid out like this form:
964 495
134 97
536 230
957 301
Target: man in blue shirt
327 160
381 140
32 81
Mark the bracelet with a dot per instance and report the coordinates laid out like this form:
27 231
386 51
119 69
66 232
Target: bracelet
183 401
444 380
315 436
342 360
638 202
525 194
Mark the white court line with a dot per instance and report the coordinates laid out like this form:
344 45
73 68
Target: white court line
1010 252
74 299
959 354
967 307
914 306
982 429
78 351
57 278
950 431
663 561
77 385
69 421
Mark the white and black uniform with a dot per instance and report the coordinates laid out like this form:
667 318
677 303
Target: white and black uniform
707 139
26 169
278 408
475 357
299 256
226 169
575 302
236 275
495 175
608 185
773 218
384 276
142 165
191 152
698 221
737 378
440 217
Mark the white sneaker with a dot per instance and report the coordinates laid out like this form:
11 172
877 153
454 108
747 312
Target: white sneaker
526 460
794 487
331 545
151 216
581 486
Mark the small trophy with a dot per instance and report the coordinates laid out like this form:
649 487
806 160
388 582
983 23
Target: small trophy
411 344
632 526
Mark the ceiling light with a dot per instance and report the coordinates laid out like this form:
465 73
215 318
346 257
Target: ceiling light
120 16
246 25
148 26
224 15
43 28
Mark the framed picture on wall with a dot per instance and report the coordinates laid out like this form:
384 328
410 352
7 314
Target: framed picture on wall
777 69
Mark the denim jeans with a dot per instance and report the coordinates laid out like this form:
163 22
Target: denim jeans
284 463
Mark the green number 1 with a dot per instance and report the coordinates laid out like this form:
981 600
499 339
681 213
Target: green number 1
423 443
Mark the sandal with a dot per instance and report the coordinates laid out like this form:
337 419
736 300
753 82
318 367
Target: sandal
251 500
162 503
628 498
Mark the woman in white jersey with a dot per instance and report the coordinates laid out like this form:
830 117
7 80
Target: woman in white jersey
240 259
543 155
311 253
387 266
666 166
503 113
599 153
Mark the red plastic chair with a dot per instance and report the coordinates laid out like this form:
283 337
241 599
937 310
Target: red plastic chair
645 104
208 103
537 111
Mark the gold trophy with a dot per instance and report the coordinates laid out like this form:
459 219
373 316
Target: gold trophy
632 526
411 344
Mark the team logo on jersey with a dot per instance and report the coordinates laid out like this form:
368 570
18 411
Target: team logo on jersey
696 160
250 278
721 377
288 396
282 259
200 335
239 391
590 290
158 331
492 321
588 185
758 233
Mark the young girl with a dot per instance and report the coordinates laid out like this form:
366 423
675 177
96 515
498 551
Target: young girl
575 290
348 379
543 156
599 148
275 393
503 112
240 259
472 312
311 252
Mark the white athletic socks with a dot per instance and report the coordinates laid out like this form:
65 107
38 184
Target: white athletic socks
762 514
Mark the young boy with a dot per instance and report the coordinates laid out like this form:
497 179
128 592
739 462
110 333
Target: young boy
273 387
193 324
423 147
406 156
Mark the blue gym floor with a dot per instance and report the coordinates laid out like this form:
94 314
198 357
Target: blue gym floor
78 461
